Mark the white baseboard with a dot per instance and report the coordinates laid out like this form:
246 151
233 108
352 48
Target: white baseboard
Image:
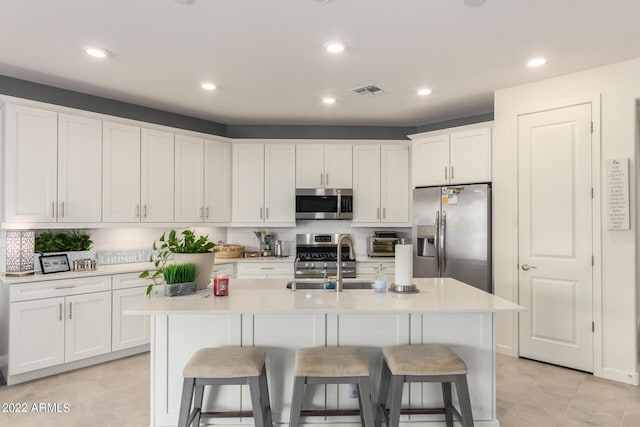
505 350
632 378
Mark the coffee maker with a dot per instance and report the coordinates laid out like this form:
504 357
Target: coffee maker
266 243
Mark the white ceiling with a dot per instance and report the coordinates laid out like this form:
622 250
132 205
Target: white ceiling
267 56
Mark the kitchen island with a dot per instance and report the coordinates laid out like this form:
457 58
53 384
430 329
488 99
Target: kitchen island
264 313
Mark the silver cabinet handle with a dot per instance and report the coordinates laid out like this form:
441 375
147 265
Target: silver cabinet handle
384 213
53 209
326 179
321 179
207 211
70 310
202 212
144 210
62 210
266 215
267 268
445 173
60 311
65 287
377 213
527 267
451 172
260 213
138 210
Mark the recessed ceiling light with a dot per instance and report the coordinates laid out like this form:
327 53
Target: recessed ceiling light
424 91
329 100
334 46
208 86
536 62
96 52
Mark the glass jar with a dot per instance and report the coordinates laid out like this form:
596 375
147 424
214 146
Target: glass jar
221 285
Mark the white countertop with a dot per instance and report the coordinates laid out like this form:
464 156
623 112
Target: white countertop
102 270
440 295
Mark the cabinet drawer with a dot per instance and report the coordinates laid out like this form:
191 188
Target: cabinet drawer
129 280
228 269
59 288
370 269
264 268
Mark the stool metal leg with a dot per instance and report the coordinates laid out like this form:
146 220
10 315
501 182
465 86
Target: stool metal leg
366 407
448 403
465 402
197 404
397 382
185 401
256 402
296 401
380 408
264 394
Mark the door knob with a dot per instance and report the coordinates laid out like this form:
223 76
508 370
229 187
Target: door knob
526 267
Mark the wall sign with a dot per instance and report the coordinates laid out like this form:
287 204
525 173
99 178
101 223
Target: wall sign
618 194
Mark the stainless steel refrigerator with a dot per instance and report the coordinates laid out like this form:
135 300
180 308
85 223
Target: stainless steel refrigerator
452 233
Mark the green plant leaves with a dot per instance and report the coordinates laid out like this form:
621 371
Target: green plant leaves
74 240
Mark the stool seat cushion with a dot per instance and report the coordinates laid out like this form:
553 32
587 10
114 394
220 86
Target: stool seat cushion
225 362
423 359
330 362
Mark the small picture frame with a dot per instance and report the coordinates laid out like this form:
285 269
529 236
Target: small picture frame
54 263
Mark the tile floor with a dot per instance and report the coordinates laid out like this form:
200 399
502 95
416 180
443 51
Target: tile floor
529 394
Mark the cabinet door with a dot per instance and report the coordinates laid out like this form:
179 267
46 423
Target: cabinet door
156 175
248 183
189 182
87 325
394 192
338 166
128 330
431 161
30 164
79 169
120 173
366 183
309 166
217 181
36 338
471 156
279 183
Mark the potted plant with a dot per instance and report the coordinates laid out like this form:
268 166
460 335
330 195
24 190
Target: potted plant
185 247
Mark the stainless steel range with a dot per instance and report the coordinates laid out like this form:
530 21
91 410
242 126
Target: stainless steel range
317 257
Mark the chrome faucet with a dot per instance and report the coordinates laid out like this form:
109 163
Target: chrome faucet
339 259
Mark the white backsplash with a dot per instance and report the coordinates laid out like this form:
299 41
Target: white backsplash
247 238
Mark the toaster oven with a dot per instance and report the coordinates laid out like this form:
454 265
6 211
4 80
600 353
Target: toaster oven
383 244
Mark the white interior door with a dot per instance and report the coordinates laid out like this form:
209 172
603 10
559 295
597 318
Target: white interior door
555 236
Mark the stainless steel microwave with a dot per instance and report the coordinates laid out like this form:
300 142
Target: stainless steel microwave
324 203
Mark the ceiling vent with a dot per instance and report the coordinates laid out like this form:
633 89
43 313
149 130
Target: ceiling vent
368 90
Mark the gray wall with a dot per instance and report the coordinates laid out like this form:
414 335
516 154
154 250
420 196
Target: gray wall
68 98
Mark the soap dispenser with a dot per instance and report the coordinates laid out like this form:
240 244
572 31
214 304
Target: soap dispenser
380 284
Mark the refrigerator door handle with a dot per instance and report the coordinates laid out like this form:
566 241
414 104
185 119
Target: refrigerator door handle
437 241
443 232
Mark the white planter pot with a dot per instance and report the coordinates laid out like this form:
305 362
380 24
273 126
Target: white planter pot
204 266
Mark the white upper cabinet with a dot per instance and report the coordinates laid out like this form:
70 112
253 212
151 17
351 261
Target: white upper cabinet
120 173
381 185
248 183
156 175
217 181
338 166
189 179
30 164
324 166
279 183
79 169
458 156
263 184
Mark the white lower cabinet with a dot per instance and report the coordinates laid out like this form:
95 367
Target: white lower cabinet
128 330
87 325
265 270
36 339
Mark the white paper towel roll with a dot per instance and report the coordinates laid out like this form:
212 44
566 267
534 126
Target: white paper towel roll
404 264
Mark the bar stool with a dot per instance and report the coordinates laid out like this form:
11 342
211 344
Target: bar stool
331 365
422 363
224 366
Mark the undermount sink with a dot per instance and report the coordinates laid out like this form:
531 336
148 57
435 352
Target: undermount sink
320 285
